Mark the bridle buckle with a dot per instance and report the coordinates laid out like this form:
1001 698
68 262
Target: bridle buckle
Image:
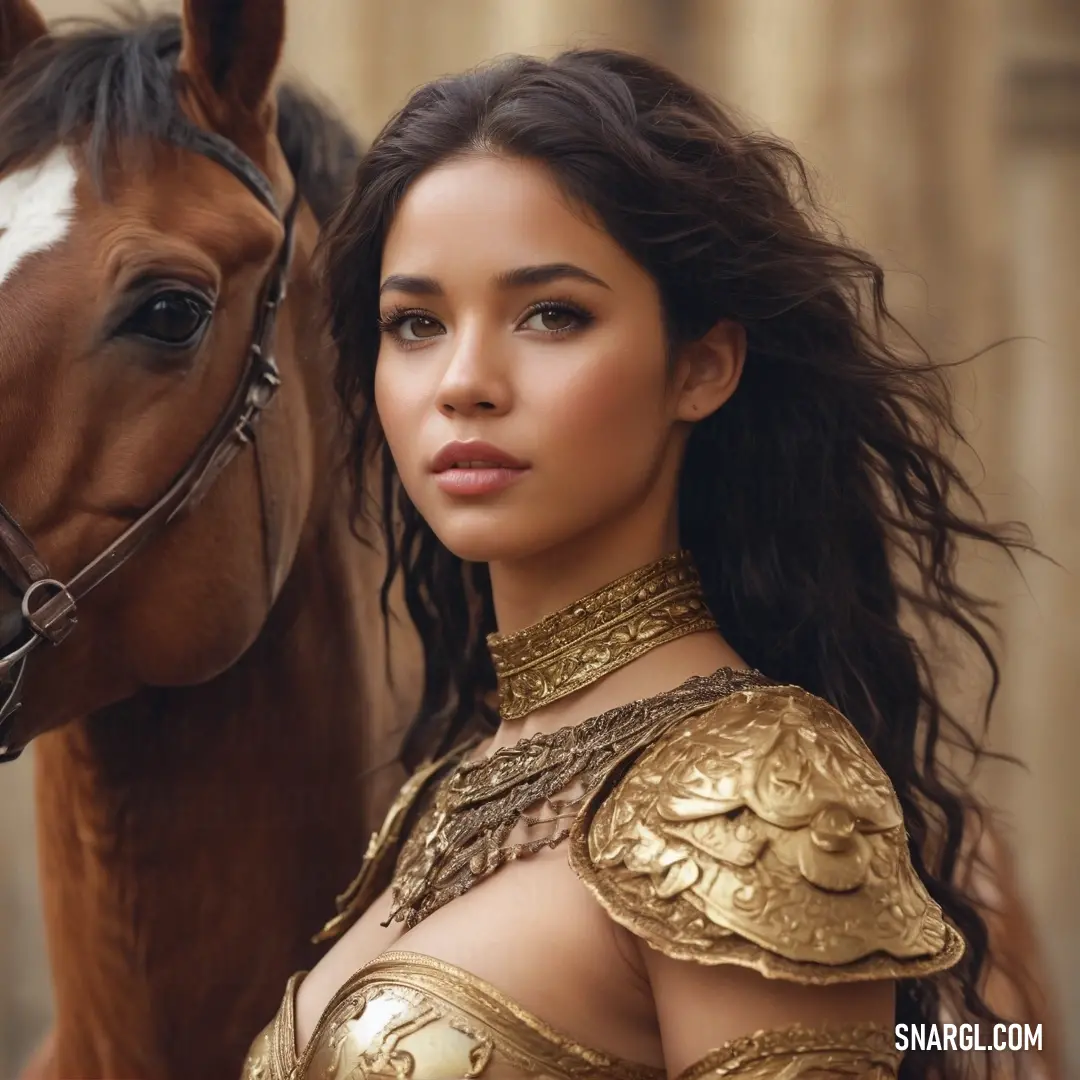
55 618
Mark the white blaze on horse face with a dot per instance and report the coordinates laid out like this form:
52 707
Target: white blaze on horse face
36 208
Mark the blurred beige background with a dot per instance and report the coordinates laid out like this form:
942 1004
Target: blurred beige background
946 137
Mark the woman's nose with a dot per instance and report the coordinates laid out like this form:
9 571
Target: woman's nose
475 381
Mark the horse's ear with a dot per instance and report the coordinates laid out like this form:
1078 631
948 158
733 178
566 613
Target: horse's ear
21 24
230 54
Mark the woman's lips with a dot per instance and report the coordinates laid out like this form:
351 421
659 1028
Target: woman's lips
475 467
475 479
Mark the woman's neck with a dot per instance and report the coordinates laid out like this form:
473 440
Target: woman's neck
524 591
525 600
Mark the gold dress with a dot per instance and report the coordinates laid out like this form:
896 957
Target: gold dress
730 820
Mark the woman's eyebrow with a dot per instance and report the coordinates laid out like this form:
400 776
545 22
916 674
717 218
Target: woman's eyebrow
411 283
543 275
420 285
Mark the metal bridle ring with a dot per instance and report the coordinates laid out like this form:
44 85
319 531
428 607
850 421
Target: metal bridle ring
54 619
59 586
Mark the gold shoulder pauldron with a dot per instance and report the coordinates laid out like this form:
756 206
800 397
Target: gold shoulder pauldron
763 833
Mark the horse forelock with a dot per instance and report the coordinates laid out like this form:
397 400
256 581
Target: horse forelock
100 85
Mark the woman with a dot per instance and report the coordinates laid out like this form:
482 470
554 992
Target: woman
639 421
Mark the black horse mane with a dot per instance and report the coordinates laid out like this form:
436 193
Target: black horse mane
102 82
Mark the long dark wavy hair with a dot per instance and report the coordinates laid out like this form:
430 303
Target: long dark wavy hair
819 502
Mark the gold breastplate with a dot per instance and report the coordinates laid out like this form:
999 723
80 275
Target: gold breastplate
409 1017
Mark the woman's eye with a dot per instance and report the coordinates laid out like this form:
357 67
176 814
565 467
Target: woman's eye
418 328
174 319
552 320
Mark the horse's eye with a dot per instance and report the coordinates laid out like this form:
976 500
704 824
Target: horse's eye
174 319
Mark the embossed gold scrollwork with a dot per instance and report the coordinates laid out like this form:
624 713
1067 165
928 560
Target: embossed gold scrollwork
464 836
599 634
763 833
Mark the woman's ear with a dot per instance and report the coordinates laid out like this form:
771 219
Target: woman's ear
708 370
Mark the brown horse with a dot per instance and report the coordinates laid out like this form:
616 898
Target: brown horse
204 729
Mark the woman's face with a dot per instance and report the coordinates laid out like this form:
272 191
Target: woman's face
522 380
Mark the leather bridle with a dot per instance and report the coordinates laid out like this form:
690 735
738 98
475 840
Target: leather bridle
49 605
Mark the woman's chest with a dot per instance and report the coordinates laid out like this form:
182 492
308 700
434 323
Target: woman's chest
533 934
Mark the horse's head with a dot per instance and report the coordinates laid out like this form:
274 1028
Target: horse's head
145 206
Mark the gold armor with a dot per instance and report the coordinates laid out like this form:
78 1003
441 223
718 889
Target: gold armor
763 833
862 1051
726 821
584 642
409 1017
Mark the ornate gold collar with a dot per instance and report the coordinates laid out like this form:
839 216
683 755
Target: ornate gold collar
464 833
582 643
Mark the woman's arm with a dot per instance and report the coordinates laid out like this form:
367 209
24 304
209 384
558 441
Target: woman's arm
709 1014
